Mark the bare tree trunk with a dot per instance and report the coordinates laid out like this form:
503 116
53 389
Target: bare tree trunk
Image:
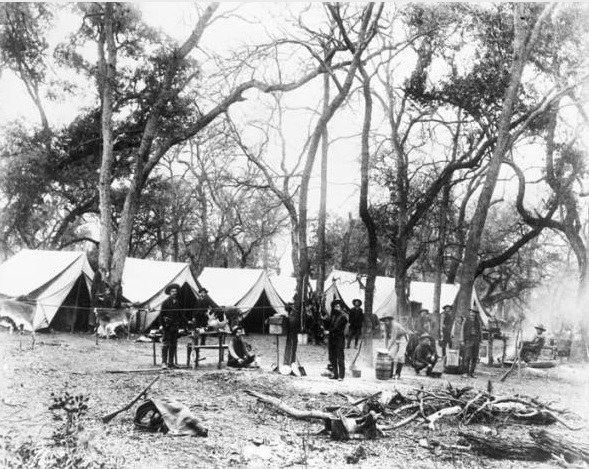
364 35
323 200
524 41
440 254
367 334
107 70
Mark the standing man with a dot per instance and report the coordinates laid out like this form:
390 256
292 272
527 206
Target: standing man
337 339
471 340
200 317
424 324
398 346
446 324
356 321
170 321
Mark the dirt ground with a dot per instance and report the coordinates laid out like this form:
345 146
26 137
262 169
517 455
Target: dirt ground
243 432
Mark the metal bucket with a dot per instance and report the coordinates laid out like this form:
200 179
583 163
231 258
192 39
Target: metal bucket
384 365
452 357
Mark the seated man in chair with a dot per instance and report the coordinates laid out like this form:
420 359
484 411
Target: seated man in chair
531 348
240 352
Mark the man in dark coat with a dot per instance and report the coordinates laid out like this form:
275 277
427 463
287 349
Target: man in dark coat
170 321
471 339
337 340
240 352
424 355
200 313
356 321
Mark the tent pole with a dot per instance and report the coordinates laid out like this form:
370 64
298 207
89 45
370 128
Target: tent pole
79 281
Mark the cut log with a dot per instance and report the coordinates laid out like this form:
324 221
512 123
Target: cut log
559 446
502 448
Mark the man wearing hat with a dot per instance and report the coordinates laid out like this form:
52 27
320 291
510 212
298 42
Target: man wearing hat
424 355
170 321
472 335
446 324
424 322
531 348
398 346
356 320
337 339
240 352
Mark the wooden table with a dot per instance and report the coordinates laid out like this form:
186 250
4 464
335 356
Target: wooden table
195 346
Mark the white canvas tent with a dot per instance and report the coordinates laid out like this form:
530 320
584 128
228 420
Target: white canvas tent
346 286
423 292
249 290
286 286
144 283
55 285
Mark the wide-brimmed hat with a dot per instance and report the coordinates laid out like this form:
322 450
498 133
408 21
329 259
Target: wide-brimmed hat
540 326
357 302
170 287
335 303
447 306
424 310
236 328
386 318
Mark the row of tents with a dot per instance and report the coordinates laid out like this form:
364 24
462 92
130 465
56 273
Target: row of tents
52 289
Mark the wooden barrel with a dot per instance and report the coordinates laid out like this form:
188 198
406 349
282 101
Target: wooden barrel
384 365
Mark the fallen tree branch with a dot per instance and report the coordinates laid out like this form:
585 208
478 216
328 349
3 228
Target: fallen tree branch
442 413
403 422
291 411
112 415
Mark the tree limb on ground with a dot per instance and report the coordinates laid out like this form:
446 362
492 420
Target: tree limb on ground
112 415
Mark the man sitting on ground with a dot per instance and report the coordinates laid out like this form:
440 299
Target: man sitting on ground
240 352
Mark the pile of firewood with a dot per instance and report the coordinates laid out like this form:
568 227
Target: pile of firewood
465 405
381 413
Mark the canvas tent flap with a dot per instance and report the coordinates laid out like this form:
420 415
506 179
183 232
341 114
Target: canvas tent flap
145 280
45 278
263 285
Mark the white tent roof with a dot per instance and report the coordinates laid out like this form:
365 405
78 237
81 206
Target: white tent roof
45 277
241 288
286 286
423 292
227 286
145 280
345 285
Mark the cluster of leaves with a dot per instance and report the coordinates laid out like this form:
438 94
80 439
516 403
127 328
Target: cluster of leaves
68 448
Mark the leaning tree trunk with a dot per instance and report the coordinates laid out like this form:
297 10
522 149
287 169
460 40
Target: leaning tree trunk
522 47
